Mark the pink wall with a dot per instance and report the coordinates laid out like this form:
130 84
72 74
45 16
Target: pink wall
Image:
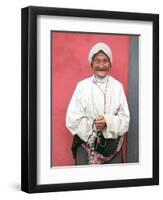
69 65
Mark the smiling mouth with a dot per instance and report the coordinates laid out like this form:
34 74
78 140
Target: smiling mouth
102 70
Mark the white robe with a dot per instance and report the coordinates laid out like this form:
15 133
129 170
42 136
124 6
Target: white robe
87 103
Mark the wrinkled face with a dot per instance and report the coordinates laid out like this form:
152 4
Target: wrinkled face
100 64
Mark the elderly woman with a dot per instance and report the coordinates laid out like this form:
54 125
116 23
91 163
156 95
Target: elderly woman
98 114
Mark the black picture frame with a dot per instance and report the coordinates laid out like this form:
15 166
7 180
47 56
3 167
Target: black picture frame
29 98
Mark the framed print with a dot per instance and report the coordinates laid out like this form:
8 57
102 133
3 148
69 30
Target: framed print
90 99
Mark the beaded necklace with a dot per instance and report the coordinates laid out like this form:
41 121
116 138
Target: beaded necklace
103 92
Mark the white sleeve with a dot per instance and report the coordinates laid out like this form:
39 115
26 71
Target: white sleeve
77 120
118 123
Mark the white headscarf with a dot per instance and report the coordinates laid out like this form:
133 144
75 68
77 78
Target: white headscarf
96 48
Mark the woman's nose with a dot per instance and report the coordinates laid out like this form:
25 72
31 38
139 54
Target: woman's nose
101 65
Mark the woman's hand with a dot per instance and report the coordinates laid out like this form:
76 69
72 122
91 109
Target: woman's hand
100 123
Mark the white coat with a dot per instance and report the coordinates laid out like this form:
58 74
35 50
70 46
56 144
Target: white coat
87 103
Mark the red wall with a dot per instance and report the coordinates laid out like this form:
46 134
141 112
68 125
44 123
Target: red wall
69 65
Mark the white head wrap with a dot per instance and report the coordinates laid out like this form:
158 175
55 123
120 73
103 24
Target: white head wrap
96 48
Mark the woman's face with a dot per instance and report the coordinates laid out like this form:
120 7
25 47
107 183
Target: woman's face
100 64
